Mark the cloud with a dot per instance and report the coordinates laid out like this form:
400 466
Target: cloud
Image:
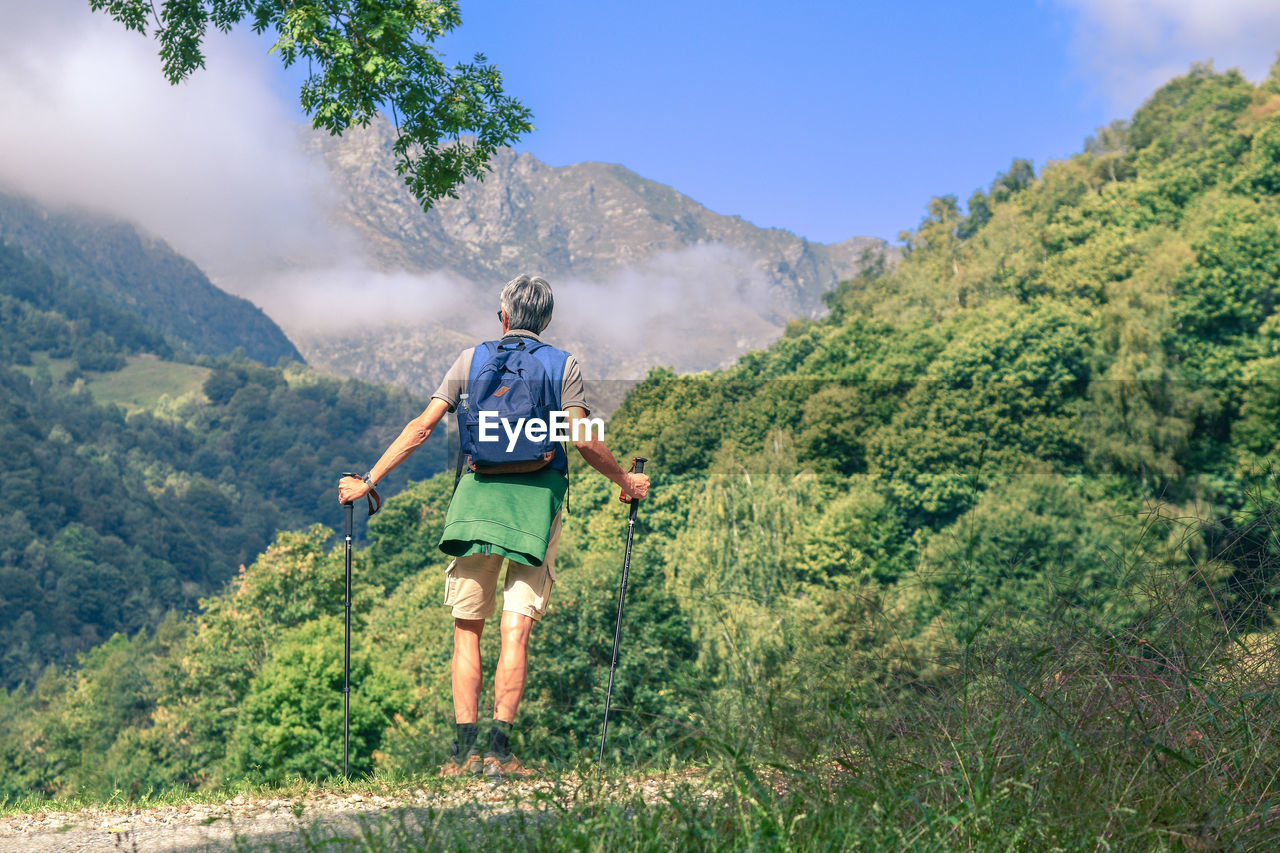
213 165
692 308
358 300
1132 47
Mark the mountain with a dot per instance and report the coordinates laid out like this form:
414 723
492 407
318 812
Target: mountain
141 275
581 222
631 260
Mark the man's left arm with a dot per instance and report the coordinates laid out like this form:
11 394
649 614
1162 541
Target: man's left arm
598 455
573 400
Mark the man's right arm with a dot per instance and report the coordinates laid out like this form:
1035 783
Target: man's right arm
410 439
414 434
598 456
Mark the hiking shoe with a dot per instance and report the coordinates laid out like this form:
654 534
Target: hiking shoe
509 768
473 766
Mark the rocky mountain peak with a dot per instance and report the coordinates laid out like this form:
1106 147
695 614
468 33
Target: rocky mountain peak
696 287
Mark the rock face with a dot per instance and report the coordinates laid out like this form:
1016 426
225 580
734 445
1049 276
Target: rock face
643 275
582 222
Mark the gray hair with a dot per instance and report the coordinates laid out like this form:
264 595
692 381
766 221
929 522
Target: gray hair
528 302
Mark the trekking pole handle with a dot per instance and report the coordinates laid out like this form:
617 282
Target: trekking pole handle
637 467
371 497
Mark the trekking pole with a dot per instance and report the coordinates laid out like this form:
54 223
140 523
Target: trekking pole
637 465
346 655
375 503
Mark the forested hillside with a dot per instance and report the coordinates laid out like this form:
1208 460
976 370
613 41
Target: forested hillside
111 518
142 278
1026 472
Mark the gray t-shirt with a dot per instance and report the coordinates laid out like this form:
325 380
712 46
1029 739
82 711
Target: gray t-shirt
572 390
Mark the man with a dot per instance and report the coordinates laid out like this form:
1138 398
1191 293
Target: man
482 542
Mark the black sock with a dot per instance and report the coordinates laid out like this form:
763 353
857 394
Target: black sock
500 739
467 733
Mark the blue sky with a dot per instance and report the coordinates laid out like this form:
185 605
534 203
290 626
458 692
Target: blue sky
835 119
827 119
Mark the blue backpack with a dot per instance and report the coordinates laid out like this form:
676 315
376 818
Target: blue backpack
512 382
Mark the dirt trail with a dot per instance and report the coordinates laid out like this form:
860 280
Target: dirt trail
248 822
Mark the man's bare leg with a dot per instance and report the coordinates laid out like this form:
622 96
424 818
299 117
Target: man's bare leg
466 669
513 666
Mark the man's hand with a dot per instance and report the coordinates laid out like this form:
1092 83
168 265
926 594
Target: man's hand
635 487
351 489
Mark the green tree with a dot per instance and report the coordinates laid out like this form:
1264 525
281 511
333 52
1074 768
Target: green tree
291 720
1001 393
1255 435
855 535
361 55
1261 174
1036 532
1190 125
1233 286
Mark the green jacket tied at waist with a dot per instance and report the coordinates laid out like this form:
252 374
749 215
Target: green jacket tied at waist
506 514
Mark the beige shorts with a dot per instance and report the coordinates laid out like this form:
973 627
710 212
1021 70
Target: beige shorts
471 583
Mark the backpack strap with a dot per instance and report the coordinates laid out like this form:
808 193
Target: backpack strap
479 355
566 478
457 475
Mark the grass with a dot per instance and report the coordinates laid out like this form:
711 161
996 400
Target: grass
1004 765
618 814
141 385
143 382
54 368
970 769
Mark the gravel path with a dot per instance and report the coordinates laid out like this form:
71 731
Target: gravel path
248 823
